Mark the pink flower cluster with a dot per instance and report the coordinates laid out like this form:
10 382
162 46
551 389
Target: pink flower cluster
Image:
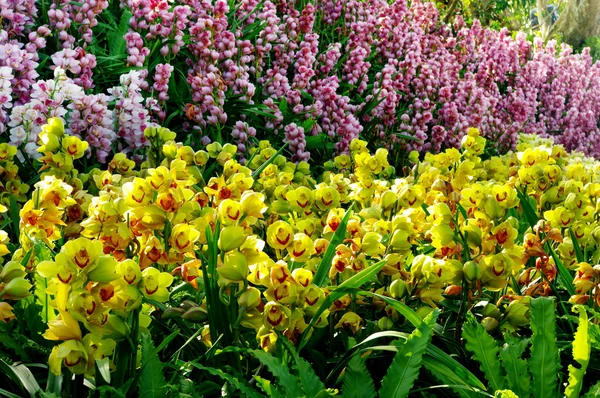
391 72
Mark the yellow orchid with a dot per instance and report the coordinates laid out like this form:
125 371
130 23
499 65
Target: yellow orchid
155 283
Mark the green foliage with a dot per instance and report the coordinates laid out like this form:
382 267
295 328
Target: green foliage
358 383
517 373
152 382
407 362
544 363
582 348
485 351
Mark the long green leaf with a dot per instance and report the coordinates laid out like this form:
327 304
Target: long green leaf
582 348
288 381
517 374
263 166
358 382
577 247
485 351
447 376
563 273
544 362
14 214
352 283
21 376
338 237
241 385
152 381
403 371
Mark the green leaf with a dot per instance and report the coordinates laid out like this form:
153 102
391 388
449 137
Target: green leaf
582 348
266 386
403 371
152 381
288 381
352 283
485 351
241 385
311 384
563 273
338 237
517 374
263 166
21 376
450 378
593 392
116 41
103 367
358 382
544 362
576 246
14 214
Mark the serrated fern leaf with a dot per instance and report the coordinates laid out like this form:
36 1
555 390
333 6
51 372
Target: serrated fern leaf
593 392
280 371
358 382
241 385
406 364
311 384
517 375
544 362
265 385
582 348
485 351
152 380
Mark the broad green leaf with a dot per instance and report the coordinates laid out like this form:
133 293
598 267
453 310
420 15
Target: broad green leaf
288 381
582 348
152 381
544 361
517 374
311 384
338 237
358 382
485 350
403 371
241 385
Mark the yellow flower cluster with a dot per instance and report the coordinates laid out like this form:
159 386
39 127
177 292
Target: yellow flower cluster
460 223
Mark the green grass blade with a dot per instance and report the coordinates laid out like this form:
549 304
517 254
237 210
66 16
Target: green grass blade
544 362
447 376
352 283
485 350
338 237
263 166
403 371
358 382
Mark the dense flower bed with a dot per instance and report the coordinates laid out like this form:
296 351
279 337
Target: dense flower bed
291 69
270 251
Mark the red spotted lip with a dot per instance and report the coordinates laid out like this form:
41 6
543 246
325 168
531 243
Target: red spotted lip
283 242
151 292
276 321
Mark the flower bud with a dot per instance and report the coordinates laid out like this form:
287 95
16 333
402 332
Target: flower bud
250 299
385 323
490 310
397 289
195 314
231 238
490 324
172 312
471 271
6 314
16 289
